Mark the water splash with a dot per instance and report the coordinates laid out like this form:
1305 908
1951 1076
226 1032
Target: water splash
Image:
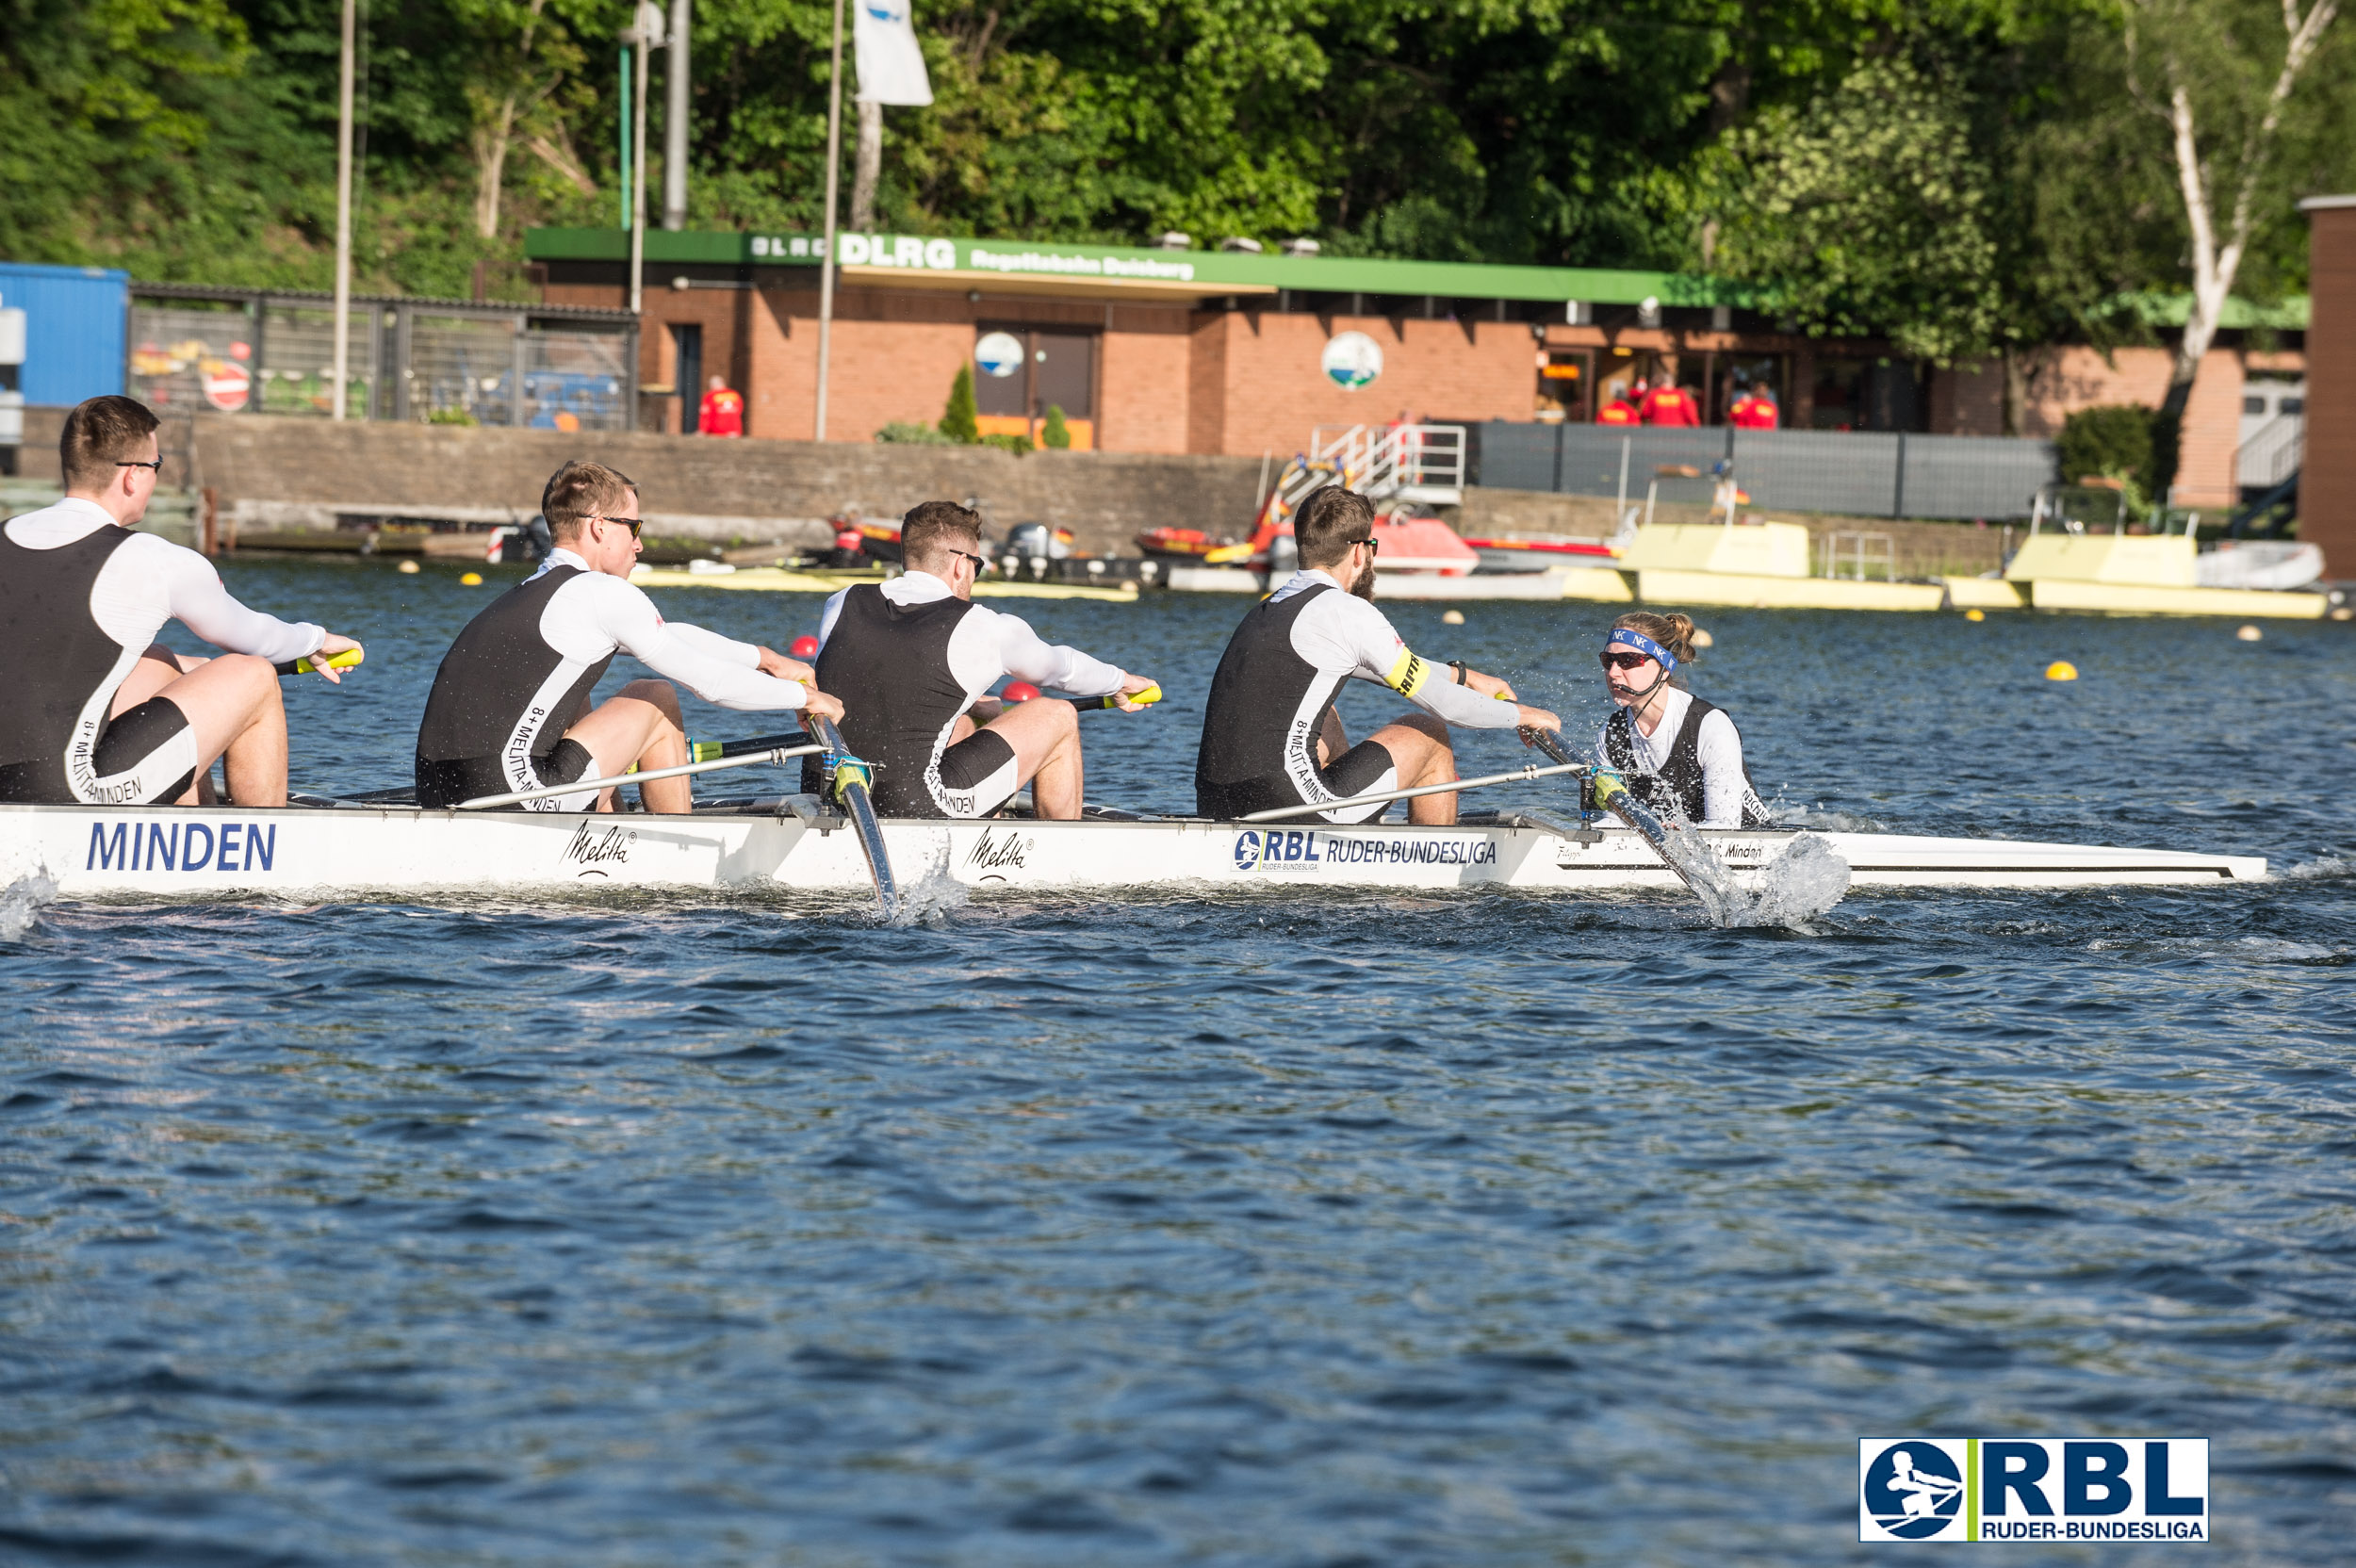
1803 882
22 902
2325 868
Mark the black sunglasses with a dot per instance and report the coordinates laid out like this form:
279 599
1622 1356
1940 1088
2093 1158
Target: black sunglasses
633 524
981 563
1624 661
1374 546
157 464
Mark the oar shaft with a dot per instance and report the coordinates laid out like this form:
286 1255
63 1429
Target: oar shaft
1517 775
550 791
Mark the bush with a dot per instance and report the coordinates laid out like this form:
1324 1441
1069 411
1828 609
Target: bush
1055 434
449 416
957 423
1015 444
901 433
2112 441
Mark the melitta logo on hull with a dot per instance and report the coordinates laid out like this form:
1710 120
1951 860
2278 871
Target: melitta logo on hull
1308 849
2033 1489
993 851
146 846
588 849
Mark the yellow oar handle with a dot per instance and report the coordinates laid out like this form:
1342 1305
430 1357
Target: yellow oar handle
347 660
1606 785
1146 698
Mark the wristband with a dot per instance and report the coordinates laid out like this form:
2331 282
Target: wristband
1457 665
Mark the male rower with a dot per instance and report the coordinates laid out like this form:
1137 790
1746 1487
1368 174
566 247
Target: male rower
913 656
93 708
510 709
1271 737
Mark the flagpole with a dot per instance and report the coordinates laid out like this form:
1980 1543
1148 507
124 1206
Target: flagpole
343 216
826 259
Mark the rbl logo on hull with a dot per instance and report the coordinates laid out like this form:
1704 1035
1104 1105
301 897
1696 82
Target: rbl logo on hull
2033 1489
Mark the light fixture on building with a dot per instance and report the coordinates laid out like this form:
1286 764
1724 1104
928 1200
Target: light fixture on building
1174 241
973 296
1648 311
1237 242
679 283
1579 313
1721 317
1300 245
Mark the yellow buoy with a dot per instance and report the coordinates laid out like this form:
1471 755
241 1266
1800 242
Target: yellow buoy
1702 639
409 569
1454 617
472 579
2344 614
1975 614
2061 669
2250 634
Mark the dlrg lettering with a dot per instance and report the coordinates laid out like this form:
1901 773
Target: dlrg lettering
182 846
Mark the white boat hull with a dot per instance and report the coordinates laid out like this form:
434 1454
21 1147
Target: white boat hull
148 852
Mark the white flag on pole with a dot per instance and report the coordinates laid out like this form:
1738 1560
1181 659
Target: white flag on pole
891 66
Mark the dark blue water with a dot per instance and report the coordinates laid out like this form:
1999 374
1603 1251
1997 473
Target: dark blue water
1305 1230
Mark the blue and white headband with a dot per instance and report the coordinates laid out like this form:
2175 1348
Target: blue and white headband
1642 644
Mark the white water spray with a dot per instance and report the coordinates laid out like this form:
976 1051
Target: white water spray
21 903
1795 888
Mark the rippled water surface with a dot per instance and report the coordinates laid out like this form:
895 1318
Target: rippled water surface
1315 1229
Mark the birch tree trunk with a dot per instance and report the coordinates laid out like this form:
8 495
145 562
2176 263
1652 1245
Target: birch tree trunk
2219 201
493 135
868 167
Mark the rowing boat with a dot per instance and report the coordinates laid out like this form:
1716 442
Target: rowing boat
797 841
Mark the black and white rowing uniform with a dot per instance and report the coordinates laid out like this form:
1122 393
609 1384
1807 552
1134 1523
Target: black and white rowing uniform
1282 672
81 599
1690 767
906 658
521 672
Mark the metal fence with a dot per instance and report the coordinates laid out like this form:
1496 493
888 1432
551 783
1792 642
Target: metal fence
552 367
1859 473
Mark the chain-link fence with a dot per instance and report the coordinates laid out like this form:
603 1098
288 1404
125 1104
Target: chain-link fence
1860 473
553 367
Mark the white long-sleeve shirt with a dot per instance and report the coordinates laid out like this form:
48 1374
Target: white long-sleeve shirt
1717 747
990 644
149 582
594 615
1343 635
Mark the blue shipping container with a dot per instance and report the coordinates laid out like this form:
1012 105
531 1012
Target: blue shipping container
75 318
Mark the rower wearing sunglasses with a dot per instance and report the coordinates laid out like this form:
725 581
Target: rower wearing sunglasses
913 657
1272 738
93 708
510 709
1678 754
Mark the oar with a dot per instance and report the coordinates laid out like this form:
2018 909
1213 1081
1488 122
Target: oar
1612 796
343 660
1531 771
1146 698
850 787
774 754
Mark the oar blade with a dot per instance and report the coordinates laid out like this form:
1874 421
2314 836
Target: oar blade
860 807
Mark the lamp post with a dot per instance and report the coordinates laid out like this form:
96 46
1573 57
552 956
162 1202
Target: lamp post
675 113
825 261
645 35
343 214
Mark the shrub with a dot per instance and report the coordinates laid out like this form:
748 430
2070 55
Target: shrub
1015 444
957 423
902 433
2111 441
1055 434
449 417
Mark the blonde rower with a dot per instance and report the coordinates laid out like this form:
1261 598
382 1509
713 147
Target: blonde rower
1680 756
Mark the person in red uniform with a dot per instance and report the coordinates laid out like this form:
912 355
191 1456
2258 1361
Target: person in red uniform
1669 405
1755 409
722 411
1616 410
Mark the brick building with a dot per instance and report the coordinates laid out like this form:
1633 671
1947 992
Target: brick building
2328 486
1239 353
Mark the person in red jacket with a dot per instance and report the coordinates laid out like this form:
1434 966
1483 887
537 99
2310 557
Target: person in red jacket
722 411
1616 410
1753 409
1670 404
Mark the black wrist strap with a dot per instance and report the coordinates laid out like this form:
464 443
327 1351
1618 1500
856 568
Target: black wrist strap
1457 665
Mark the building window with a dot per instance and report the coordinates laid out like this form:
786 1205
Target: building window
687 374
1055 368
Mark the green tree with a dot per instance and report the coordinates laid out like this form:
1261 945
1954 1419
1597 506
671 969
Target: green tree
958 421
1054 434
1866 214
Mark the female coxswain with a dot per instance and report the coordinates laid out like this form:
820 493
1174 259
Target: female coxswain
1678 754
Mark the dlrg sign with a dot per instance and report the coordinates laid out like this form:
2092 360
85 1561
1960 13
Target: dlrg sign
2033 1489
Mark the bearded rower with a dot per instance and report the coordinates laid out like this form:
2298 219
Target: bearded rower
1271 737
510 707
93 708
912 657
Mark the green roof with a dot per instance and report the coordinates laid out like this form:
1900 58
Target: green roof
2289 313
1044 258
